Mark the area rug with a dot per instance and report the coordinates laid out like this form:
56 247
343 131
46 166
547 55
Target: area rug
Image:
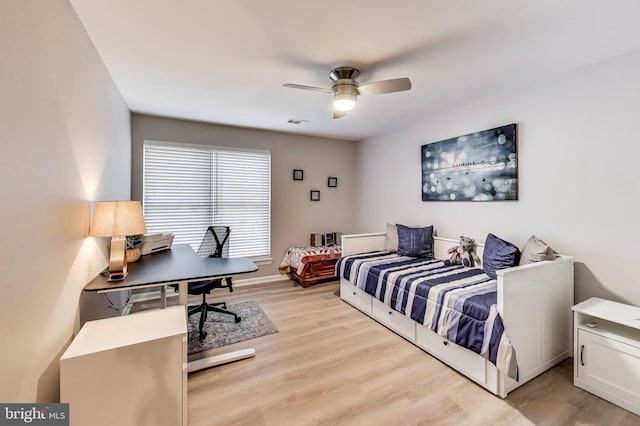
222 329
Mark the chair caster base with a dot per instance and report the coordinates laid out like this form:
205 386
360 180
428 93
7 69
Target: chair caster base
203 334
238 319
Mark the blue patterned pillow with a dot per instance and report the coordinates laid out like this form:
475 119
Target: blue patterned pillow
415 242
498 254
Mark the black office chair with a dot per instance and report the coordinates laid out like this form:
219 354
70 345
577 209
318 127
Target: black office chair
214 244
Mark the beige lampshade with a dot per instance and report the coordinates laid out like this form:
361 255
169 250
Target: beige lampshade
117 218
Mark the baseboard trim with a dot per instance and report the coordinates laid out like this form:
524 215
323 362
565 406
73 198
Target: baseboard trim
260 280
155 294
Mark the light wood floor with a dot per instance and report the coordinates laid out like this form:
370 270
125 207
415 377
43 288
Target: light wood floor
330 364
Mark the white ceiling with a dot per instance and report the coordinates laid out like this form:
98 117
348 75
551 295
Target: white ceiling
225 61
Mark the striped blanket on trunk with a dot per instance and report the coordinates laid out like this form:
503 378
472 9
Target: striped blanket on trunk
456 302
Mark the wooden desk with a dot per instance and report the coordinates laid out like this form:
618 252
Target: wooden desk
180 265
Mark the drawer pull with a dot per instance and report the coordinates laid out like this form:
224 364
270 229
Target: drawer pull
581 352
445 343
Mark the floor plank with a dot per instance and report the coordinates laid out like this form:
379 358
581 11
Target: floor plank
329 364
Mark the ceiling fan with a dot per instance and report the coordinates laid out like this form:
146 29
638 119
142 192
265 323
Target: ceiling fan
345 88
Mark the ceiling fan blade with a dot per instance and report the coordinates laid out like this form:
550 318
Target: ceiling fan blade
338 114
303 87
385 86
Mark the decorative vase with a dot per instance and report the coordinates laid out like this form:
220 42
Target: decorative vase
133 255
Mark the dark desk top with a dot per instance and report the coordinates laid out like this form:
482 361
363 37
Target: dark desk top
180 263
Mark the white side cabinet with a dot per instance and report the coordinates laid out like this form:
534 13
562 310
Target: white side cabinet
607 351
129 370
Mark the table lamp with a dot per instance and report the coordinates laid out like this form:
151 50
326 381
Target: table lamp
117 219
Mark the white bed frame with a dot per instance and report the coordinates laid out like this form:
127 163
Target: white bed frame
534 302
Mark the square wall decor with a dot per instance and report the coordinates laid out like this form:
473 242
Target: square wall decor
314 195
298 174
481 166
332 182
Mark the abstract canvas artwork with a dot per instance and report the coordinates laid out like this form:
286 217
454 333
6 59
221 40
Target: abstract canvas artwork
480 166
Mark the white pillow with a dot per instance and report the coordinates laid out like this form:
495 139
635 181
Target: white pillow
536 250
391 240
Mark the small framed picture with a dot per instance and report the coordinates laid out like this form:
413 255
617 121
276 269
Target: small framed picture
328 240
315 195
298 174
332 182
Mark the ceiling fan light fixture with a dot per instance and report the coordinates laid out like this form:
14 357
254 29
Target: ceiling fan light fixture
344 102
345 94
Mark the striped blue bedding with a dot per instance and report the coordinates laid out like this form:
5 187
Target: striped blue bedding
456 302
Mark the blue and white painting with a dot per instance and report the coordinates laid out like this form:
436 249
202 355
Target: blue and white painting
480 166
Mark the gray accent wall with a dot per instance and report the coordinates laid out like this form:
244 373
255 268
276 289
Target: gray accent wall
293 216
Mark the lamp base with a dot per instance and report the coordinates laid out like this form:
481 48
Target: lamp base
117 259
116 276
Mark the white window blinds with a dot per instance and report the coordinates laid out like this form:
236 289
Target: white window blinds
188 188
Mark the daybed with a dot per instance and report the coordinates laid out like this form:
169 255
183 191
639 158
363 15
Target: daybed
533 301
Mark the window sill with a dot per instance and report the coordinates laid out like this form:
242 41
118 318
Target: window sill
262 261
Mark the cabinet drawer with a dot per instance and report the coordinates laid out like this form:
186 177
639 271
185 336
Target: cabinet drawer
608 365
396 321
462 359
356 297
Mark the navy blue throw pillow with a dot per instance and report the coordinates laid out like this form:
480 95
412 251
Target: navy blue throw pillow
498 254
415 242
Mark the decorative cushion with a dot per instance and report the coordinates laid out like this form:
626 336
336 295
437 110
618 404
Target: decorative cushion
536 250
415 242
498 254
391 240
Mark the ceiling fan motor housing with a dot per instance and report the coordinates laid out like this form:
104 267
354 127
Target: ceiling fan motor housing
341 73
345 88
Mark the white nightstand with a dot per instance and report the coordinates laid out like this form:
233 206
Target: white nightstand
607 351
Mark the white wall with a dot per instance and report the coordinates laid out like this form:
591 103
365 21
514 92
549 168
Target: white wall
578 151
65 142
293 216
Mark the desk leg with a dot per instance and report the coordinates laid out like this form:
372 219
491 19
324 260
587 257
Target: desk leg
183 296
163 297
211 361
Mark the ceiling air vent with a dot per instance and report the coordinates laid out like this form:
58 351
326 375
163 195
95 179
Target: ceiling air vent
297 121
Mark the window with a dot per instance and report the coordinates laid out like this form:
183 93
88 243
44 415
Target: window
187 188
